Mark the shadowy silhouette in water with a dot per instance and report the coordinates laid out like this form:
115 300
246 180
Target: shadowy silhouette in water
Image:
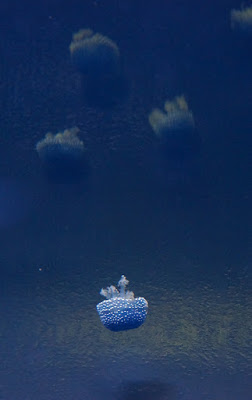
97 58
94 54
63 156
175 130
178 144
241 20
147 390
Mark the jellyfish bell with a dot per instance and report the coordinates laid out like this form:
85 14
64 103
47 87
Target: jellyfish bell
63 156
178 144
94 54
175 129
121 311
241 20
97 58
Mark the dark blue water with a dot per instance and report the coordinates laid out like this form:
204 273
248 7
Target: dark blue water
179 230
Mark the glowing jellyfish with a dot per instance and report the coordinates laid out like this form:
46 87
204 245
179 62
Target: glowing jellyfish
63 155
94 54
175 128
121 311
242 19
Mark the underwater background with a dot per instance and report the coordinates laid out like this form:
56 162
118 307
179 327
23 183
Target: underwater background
179 230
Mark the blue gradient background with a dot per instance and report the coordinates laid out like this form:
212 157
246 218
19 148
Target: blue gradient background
182 239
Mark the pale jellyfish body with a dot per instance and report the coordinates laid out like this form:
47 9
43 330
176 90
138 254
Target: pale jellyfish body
121 311
94 54
97 58
242 19
63 155
175 129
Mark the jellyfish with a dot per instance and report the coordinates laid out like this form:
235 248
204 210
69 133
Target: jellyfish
97 58
242 19
63 155
94 54
121 311
175 129
175 155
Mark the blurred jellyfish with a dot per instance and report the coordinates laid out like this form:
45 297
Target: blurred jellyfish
175 129
121 311
63 155
94 54
242 19
97 58
177 150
